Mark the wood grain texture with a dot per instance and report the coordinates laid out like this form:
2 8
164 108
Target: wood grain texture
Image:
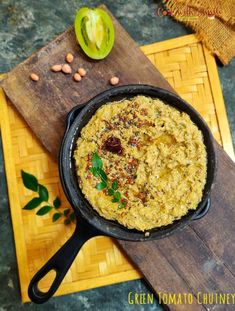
201 256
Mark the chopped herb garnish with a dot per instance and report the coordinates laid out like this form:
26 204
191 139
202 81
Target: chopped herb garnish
98 172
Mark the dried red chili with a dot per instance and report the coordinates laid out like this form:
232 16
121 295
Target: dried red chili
113 144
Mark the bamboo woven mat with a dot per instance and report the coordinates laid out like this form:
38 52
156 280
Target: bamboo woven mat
191 70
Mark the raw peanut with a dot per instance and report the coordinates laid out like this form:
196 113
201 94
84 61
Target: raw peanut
66 69
56 68
114 81
77 77
34 77
69 58
82 72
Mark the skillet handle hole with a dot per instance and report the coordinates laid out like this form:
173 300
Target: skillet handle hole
46 282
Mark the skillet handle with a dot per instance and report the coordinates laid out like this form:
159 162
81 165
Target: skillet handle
204 211
61 262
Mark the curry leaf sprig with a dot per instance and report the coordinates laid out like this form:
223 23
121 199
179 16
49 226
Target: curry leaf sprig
31 183
97 171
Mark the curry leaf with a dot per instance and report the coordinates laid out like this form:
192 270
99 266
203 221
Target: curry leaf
44 210
96 161
101 185
110 191
43 192
57 203
67 221
72 216
35 202
56 216
115 185
122 204
66 212
102 175
95 171
117 195
30 181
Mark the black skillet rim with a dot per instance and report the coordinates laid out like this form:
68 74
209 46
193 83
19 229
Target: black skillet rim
68 176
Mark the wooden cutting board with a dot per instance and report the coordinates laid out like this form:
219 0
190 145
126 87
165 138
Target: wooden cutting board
200 258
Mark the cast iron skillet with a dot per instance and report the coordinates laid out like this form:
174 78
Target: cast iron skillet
89 222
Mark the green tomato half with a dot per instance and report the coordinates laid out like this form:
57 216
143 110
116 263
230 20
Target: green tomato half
95 32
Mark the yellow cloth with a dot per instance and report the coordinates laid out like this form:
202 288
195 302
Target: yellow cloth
212 20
